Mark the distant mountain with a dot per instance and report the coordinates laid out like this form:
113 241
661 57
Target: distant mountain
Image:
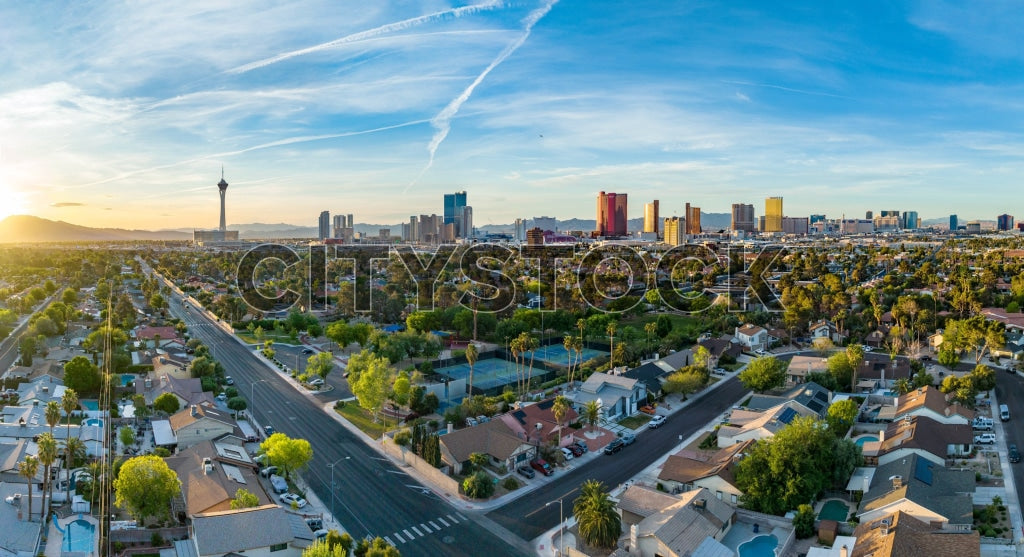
29 229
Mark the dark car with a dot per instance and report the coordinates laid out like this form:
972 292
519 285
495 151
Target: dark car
269 430
526 471
582 446
613 447
576 450
1014 454
542 466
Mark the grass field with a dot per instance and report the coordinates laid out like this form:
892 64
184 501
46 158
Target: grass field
269 335
361 419
678 321
635 421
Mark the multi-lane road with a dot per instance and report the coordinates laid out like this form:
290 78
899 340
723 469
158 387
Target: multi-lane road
371 496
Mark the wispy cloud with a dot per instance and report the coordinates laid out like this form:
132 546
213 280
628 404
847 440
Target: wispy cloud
66 204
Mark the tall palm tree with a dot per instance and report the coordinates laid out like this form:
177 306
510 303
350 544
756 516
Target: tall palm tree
47 456
611 345
902 385
471 355
559 409
52 415
598 522
592 413
567 343
69 403
28 469
650 329
74 449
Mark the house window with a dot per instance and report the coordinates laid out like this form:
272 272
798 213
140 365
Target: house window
719 495
734 498
278 547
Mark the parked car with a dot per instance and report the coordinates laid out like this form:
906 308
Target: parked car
582 446
628 439
471 422
315 523
567 453
222 397
278 484
647 409
541 465
266 472
656 422
13 499
982 423
720 371
482 419
269 430
307 350
985 439
576 451
289 498
613 447
1014 454
526 471
316 382
228 380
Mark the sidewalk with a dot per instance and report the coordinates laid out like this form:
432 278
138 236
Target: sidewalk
1010 498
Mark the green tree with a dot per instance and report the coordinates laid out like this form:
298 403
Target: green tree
378 547
401 389
803 521
763 374
471 355
902 385
145 487
167 403
81 375
320 364
28 469
983 378
339 540
237 404
479 485
286 453
69 296
142 410
47 456
854 357
370 380
922 379
838 366
591 413
683 382
127 436
596 517
244 499
841 416
52 415
559 408
948 357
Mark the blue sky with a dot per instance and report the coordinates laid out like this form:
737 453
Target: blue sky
121 114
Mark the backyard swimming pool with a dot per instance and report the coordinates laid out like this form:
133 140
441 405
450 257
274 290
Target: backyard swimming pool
79 536
865 439
761 546
95 422
91 404
127 379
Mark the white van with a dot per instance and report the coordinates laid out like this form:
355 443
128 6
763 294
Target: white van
1004 412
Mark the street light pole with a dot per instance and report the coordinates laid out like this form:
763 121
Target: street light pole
331 466
561 525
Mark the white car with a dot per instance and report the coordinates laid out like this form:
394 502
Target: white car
985 439
568 454
222 397
316 382
289 498
656 422
13 499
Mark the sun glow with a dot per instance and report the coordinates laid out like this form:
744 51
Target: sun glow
12 201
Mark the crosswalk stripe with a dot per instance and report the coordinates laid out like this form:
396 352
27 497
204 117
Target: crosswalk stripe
441 520
460 516
387 539
398 536
452 518
426 528
408 535
436 527
418 533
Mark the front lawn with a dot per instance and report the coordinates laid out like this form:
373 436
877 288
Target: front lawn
361 419
635 421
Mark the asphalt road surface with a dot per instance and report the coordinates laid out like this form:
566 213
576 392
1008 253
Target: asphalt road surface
530 516
1010 391
371 496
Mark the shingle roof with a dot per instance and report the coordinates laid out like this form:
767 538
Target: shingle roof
932 399
905 536
690 466
241 530
644 501
493 438
599 380
184 417
685 525
941 490
922 432
213 491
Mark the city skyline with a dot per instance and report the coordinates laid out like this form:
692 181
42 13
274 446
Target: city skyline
123 115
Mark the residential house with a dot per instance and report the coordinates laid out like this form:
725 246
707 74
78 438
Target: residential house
920 435
11 454
264 531
524 422
618 396
825 329
900 534
188 391
881 371
38 369
802 366
20 537
1013 348
1013 321
875 339
746 425
651 375
927 491
811 396
494 438
930 402
149 333
41 390
752 337
29 422
713 470
722 346
197 423
692 523
211 473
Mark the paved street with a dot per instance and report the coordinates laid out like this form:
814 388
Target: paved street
1010 391
372 496
529 517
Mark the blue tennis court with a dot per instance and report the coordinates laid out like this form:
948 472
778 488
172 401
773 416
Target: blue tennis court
487 374
556 354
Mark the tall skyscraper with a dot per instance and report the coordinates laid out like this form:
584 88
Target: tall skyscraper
772 214
467 222
909 220
544 223
742 217
692 216
817 218
953 223
222 186
1004 222
611 214
675 231
651 217
454 205
520 232
324 225
868 215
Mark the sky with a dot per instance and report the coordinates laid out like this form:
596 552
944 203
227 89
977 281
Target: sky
123 113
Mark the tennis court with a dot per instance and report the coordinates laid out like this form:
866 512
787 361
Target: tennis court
487 374
556 354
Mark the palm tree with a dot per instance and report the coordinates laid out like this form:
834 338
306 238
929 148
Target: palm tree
591 413
855 355
650 329
74 449
69 403
47 456
559 409
611 345
471 354
598 522
567 343
52 415
28 469
902 385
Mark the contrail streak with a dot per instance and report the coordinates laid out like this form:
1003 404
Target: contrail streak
442 122
370 33
278 143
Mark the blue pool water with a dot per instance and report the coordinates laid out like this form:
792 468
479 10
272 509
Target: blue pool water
93 422
91 404
127 379
761 546
79 536
864 439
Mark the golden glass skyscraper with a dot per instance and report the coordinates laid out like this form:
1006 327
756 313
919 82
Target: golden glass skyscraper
773 214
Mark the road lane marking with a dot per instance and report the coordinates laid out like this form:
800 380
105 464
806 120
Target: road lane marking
431 522
441 520
418 533
398 536
460 516
387 539
425 528
452 518
408 535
